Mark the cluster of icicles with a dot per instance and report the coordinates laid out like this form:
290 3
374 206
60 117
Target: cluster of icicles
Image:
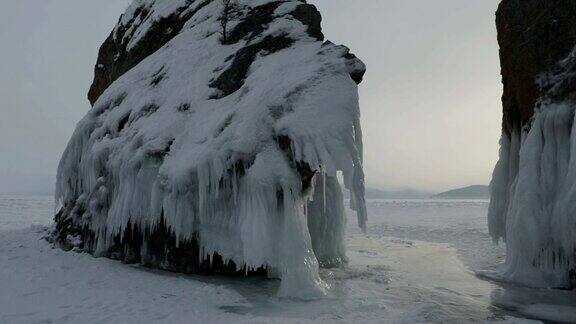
533 204
259 216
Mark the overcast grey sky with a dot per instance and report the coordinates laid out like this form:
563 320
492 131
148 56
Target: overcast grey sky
430 100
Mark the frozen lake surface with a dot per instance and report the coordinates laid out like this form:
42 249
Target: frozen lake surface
19 212
417 264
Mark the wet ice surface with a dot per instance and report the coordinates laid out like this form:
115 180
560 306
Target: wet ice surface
461 228
416 264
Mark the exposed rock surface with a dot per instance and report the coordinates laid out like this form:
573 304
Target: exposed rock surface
212 154
533 188
116 56
534 36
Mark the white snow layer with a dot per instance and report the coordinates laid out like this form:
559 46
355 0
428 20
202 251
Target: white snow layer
534 194
145 151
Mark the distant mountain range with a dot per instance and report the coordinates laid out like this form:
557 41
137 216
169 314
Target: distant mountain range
471 192
373 193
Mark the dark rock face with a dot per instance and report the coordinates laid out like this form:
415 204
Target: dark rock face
157 248
534 35
232 79
115 59
260 16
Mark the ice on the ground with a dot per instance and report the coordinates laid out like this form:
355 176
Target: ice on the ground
162 143
393 276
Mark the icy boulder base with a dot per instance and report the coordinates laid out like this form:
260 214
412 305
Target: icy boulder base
202 156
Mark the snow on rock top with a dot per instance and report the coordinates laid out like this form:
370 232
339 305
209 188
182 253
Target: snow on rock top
201 155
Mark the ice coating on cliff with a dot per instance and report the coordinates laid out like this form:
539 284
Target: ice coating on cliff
533 204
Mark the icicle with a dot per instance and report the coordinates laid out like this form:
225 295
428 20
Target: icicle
532 203
323 189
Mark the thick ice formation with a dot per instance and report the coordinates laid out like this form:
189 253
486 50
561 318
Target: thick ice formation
533 205
233 149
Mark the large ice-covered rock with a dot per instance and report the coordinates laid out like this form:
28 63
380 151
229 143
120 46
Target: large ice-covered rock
533 205
204 153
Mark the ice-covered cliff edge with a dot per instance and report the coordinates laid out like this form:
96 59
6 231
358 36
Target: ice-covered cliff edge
202 155
533 206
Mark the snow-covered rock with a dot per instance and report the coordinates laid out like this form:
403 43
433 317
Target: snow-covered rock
533 206
208 156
